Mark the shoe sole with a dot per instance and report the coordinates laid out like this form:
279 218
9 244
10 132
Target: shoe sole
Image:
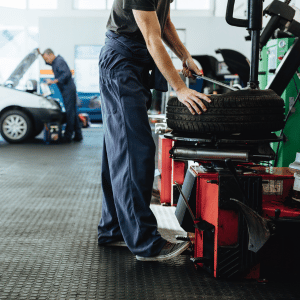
115 244
167 256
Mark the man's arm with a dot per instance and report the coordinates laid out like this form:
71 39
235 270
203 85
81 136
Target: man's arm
172 40
63 73
151 30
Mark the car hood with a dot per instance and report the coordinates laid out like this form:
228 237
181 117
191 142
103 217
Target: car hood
22 68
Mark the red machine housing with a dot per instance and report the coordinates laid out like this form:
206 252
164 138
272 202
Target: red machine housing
223 250
165 169
170 171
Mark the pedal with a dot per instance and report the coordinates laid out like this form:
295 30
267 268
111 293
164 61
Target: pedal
183 238
200 260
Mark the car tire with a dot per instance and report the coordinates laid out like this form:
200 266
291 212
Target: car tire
15 126
241 111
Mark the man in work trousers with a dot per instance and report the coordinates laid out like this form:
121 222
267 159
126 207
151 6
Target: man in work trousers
134 45
64 81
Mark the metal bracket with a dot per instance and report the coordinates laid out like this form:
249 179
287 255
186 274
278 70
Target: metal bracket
258 227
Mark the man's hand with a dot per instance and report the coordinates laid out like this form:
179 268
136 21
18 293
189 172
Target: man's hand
49 81
189 67
191 99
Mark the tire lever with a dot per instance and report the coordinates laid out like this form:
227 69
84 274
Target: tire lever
215 82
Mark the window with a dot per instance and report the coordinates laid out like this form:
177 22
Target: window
90 4
177 4
42 4
86 68
21 4
192 4
110 3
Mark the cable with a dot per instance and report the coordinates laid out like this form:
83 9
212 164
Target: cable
296 85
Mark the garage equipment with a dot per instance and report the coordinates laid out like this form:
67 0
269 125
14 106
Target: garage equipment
241 212
237 205
279 69
52 133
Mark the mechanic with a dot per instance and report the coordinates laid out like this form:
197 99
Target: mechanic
134 41
64 81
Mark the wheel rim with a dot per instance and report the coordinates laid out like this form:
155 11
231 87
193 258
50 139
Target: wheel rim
14 127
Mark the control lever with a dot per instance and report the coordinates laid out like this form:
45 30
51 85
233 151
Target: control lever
200 224
186 202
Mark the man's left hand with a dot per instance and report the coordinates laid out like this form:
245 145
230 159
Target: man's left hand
189 67
49 81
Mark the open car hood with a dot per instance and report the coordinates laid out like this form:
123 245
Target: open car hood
21 69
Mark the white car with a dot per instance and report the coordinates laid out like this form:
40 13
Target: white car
23 113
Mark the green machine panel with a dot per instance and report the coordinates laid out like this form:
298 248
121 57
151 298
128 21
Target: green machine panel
271 56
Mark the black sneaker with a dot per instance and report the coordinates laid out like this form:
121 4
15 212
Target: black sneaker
115 244
170 250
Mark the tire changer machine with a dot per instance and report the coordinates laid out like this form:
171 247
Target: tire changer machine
244 217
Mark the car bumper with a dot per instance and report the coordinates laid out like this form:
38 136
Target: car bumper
48 115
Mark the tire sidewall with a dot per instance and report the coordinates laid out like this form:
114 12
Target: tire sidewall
236 112
27 120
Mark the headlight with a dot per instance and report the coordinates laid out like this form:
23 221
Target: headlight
45 103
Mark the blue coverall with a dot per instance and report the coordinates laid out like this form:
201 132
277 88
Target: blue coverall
128 148
67 88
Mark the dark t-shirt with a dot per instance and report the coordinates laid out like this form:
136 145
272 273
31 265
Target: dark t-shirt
121 20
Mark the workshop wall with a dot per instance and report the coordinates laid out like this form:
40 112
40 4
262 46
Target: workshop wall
203 35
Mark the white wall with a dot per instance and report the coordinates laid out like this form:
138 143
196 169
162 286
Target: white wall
65 27
203 35
206 34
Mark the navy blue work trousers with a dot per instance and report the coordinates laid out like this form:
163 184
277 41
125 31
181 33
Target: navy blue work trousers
72 119
128 156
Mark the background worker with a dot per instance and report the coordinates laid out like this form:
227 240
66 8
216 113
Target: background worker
136 31
64 81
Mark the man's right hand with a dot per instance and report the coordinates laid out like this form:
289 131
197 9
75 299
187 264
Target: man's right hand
191 99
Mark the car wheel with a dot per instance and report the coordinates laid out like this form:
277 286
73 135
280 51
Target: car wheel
16 126
241 111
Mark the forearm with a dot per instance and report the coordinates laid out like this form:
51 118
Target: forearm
49 81
172 40
151 30
164 63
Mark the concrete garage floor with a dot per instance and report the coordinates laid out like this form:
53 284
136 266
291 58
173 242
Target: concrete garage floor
50 199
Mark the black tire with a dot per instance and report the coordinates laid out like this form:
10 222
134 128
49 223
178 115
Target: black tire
241 111
22 129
